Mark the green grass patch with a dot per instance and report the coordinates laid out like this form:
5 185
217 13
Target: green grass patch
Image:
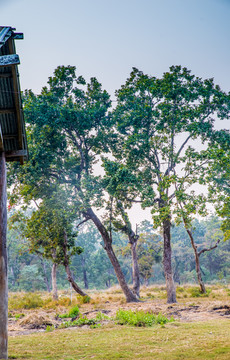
190 341
140 318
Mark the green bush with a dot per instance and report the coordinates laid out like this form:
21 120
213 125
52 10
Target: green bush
140 318
195 292
83 299
74 312
27 301
78 322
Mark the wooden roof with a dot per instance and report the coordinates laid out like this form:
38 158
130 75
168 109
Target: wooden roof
12 127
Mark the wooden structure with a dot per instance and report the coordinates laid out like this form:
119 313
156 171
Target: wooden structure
13 147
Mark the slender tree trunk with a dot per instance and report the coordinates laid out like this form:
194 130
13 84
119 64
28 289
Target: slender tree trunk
54 281
45 275
68 272
133 238
167 262
85 279
197 259
135 270
73 283
3 262
130 296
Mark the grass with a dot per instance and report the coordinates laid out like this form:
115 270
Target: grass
140 318
206 340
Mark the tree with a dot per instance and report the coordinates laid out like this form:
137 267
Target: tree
160 122
70 129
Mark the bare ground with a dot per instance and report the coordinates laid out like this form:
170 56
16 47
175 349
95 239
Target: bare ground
191 311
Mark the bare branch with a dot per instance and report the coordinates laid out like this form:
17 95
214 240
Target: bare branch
209 249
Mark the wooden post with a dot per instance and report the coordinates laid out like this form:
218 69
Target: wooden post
3 262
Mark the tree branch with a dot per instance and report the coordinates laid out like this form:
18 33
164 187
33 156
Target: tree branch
211 248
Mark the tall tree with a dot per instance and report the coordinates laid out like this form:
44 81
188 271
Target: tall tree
77 120
161 123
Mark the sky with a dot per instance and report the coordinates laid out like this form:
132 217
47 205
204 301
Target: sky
106 38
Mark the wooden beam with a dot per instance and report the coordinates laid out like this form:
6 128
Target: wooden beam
7 111
18 36
6 75
8 60
3 33
17 97
18 153
3 262
1 140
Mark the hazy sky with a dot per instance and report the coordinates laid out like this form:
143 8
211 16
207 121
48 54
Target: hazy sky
106 38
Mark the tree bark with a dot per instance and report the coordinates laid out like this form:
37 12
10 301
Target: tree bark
45 275
3 262
133 238
167 262
135 269
198 271
68 272
85 279
54 282
130 296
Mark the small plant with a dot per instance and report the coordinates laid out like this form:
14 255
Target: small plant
83 299
100 316
63 316
74 312
50 328
95 326
78 322
140 318
19 316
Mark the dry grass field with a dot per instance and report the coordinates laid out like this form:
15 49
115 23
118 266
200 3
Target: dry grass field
199 326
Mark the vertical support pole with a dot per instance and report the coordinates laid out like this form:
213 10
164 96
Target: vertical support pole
3 262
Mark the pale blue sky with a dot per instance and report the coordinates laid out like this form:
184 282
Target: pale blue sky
106 38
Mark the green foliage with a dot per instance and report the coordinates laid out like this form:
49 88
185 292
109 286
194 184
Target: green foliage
195 292
140 318
19 316
50 328
27 301
79 322
74 312
83 299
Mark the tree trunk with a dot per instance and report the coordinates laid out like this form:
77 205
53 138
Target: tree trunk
72 282
130 297
135 270
54 282
3 262
167 262
198 271
133 238
67 269
45 275
85 279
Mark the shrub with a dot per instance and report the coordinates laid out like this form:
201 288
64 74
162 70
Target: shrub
140 318
74 312
195 292
83 299
27 301
78 322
